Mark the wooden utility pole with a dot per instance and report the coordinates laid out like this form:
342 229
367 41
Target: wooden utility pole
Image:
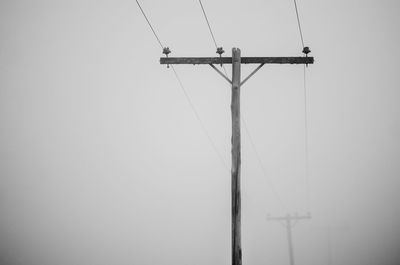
235 172
288 224
236 60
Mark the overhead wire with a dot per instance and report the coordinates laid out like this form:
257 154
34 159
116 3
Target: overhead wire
298 22
264 171
306 151
148 22
208 23
306 146
199 119
187 95
211 31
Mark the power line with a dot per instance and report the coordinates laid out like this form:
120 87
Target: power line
208 23
262 167
298 23
199 119
187 95
211 32
151 27
306 151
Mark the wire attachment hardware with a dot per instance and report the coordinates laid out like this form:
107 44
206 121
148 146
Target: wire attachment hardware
166 51
306 51
220 51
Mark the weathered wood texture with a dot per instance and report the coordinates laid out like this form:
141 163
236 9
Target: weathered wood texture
236 160
245 60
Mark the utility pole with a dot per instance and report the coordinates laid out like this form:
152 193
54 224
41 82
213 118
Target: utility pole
236 60
288 221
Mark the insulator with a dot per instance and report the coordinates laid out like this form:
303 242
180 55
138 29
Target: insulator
306 50
220 51
166 51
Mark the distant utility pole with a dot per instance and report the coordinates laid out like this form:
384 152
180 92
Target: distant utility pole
236 60
288 221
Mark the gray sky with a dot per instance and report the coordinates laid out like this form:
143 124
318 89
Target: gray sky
103 161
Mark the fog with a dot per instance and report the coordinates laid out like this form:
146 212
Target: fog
104 162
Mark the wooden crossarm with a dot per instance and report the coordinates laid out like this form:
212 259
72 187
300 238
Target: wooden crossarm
245 60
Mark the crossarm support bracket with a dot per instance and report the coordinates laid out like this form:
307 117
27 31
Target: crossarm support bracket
252 73
222 74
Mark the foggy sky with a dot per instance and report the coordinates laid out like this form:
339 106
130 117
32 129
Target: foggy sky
104 162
